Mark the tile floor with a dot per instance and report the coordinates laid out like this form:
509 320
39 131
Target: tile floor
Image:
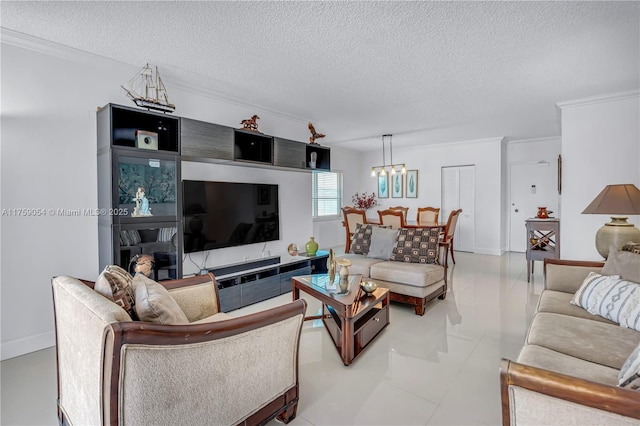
439 369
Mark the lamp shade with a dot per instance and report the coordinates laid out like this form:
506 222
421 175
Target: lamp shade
616 199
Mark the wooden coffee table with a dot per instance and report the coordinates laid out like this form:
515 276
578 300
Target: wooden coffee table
353 319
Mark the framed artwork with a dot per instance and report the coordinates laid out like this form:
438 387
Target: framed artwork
411 184
383 186
396 185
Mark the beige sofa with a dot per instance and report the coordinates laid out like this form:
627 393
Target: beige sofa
213 369
408 282
567 372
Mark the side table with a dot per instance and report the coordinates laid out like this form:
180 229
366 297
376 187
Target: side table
543 241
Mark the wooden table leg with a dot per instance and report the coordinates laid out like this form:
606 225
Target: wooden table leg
295 291
347 341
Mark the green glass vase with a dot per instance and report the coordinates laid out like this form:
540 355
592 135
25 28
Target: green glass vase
311 247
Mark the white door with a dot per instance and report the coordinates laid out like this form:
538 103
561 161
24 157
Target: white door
459 192
531 186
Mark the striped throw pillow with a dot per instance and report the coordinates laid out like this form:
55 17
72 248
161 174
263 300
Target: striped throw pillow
610 297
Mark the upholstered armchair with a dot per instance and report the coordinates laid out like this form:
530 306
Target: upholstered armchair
352 217
210 368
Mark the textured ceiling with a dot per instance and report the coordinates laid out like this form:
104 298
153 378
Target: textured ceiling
428 72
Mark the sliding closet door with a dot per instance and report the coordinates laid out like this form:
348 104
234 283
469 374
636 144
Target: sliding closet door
459 192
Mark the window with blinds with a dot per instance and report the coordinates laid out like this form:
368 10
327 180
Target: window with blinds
327 194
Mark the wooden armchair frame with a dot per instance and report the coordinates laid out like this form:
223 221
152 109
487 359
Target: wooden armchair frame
625 402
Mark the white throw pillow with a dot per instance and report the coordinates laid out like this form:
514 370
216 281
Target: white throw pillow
382 242
610 297
629 376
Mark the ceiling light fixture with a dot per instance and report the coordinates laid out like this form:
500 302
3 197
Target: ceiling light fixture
382 170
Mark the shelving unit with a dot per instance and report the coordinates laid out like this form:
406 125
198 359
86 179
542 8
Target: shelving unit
543 241
127 161
123 167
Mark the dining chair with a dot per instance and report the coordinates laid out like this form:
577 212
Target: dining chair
404 211
428 215
394 218
449 231
352 217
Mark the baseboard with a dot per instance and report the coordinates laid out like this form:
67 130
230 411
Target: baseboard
25 345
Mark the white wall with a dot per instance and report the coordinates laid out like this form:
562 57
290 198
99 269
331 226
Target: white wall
600 146
487 155
48 160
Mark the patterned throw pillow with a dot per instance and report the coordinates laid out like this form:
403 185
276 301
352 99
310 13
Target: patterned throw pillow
417 245
629 376
361 239
114 283
610 297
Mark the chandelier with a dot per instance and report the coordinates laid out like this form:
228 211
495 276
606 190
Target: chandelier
382 170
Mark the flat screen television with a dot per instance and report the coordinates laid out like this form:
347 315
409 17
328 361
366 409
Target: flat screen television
227 214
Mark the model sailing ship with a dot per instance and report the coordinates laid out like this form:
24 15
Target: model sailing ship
147 90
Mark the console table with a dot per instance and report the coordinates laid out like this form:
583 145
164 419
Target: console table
543 241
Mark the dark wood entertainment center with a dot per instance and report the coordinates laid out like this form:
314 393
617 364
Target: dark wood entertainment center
139 148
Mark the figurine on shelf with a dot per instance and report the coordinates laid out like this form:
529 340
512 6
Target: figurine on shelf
314 135
251 124
144 264
142 204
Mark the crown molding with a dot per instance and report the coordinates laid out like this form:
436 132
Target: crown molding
611 97
60 51
57 50
534 140
201 90
499 139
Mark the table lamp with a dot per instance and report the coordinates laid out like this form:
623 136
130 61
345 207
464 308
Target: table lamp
618 200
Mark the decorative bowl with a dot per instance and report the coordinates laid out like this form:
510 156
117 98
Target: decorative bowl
368 286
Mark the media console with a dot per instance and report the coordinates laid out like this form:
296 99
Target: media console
245 283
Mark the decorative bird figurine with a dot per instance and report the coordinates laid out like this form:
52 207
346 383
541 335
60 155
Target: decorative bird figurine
314 135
